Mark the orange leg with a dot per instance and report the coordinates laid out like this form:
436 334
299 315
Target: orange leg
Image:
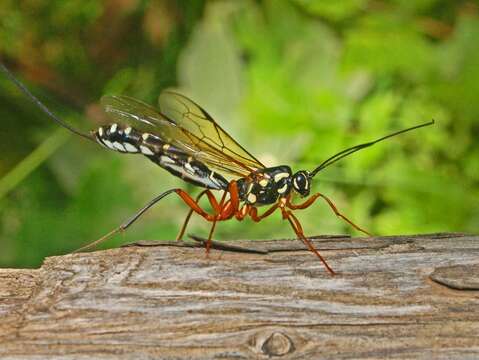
257 218
295 224
214 205
179 237
313 198
298 229
194 205
223 210
242 212
218 213
230 208
234 194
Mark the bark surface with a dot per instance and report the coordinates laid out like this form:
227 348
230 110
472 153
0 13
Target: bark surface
394 297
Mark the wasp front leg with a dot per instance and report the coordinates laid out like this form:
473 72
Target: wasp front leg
313 198
294 222
298 229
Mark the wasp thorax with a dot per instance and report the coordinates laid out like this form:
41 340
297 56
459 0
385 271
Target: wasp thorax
302 183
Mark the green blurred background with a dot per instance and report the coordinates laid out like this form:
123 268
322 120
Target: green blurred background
293 81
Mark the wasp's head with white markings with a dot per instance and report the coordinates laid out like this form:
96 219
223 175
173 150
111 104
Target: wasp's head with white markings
302 182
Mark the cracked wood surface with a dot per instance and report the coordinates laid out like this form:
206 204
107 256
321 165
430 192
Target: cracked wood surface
394 297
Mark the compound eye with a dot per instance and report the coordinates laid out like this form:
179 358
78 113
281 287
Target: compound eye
300 182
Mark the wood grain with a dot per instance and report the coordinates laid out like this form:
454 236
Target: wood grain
394 297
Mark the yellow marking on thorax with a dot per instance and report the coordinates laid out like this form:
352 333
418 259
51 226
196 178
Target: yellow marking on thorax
283 189
263 182
280 176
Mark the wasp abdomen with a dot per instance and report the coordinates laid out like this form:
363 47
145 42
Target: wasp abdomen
169 157
114 137
129 140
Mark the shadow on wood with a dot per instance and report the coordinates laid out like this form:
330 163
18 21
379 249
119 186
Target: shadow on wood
401 297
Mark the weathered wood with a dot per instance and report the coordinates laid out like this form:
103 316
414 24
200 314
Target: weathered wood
394 297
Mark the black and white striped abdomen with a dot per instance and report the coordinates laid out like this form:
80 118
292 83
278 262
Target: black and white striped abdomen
172 159
125 140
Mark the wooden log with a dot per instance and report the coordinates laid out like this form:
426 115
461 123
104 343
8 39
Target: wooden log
394 297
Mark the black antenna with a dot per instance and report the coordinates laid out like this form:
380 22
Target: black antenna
42 106
353 149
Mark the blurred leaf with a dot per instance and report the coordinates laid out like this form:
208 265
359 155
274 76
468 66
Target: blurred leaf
388 45
333 10
210 63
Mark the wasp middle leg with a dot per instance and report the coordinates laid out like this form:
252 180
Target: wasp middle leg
294 222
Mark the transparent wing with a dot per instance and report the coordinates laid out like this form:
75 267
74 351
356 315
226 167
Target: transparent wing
125 109
186 126
204 132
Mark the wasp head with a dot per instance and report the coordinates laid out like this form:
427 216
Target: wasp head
302 183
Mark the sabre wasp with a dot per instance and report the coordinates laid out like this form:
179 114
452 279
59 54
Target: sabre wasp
182 138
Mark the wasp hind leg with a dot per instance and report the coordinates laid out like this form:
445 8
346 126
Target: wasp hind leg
181 233
127 223
182 194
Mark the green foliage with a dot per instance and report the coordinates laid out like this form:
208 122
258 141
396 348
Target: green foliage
333 11
293 81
